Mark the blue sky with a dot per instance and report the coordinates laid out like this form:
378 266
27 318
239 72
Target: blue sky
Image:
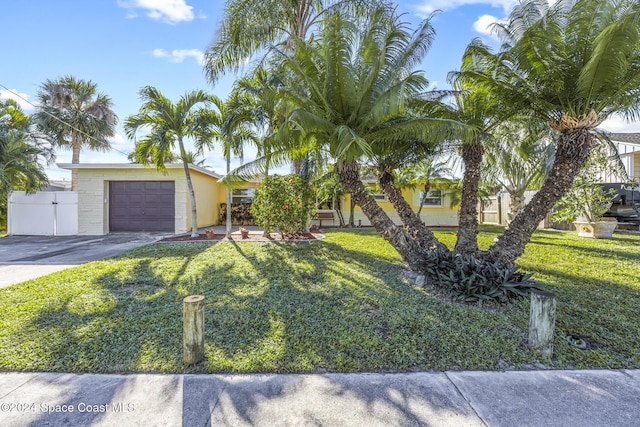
123 45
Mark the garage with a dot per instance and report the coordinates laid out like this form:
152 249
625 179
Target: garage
142 206
128 197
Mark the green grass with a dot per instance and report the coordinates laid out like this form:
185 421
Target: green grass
335 305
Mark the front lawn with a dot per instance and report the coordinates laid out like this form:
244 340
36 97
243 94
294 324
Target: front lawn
339 304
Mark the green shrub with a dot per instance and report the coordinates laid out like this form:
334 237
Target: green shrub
282 203
470 279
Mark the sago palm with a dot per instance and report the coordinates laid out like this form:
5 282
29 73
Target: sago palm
573 64
351 93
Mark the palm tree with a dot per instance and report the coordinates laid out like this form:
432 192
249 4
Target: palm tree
169 123
20 154
230 123
352 87
572 64
518 160
249 27
74 114
430 173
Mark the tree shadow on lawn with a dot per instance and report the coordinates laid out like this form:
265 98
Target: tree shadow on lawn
341 311
612 252
118 321
309 307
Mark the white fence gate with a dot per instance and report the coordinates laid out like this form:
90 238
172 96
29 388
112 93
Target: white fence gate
45 213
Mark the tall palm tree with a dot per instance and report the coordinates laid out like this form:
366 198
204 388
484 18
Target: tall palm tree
169 123
74 114
573 64
352 87
230 123
249 27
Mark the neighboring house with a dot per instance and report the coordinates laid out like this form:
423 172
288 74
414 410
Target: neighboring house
436 212
628 145
132 197
58 185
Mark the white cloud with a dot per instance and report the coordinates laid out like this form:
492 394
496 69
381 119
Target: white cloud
178 55
429 6
118 142
484 24
617 124
168 11
21 98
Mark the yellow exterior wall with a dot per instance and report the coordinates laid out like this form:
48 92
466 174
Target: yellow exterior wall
222 194
433 216
636 165
206 189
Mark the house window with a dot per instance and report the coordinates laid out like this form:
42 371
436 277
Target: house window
377 195
242 195
434 198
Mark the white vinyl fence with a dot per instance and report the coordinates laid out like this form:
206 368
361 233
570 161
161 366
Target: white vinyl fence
497 208
45 213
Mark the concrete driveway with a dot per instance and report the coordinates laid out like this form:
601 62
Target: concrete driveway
27 257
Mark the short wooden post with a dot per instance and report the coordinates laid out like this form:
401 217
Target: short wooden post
542 322
193 329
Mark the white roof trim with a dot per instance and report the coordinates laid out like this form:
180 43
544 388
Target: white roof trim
71 166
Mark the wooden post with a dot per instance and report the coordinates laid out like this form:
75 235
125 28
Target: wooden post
542 322
193 329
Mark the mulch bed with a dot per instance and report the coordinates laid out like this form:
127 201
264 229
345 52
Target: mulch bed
253 237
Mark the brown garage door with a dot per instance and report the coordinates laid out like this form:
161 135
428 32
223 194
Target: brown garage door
142 206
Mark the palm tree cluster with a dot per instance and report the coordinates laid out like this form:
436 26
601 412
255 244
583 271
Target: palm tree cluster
21 150
337 85
334 89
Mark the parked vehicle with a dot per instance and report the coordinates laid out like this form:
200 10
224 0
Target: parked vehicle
626 205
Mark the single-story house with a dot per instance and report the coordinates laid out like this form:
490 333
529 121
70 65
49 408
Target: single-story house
117 197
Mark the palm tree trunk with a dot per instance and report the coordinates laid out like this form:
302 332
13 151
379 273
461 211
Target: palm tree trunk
228 194
352 213
192 194
416 228
467 242
265 232
427 186
76 146
401 241
574 147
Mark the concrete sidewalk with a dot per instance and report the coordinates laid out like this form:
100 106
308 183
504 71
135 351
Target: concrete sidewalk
530 398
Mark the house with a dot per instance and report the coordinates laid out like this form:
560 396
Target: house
628 146
121 197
